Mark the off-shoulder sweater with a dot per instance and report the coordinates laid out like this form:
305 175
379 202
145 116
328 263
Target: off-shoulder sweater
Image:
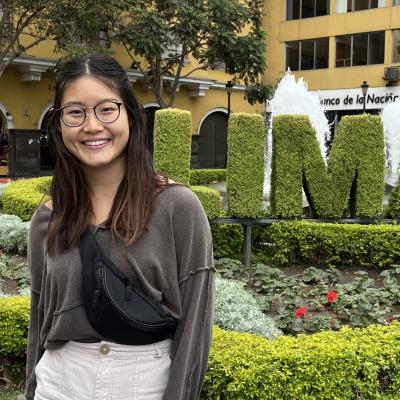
172 262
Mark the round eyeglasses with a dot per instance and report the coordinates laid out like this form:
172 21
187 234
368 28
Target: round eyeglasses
105 111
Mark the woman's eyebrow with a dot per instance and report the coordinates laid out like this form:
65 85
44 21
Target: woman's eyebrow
79 103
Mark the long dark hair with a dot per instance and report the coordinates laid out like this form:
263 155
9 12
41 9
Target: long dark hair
70 192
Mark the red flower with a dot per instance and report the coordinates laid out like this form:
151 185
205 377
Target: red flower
300 312
331 297
391 319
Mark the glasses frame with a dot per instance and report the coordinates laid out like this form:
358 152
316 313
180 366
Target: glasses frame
86 109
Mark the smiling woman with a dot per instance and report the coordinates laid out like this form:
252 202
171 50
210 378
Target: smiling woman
154 233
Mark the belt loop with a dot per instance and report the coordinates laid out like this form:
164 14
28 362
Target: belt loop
158 351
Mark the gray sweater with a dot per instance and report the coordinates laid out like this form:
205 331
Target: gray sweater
172 262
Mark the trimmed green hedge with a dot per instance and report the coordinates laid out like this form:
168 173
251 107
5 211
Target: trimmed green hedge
393 210
357 156
172 143
245 171
203 176
228 241
327 244
210 200
345 365
23 197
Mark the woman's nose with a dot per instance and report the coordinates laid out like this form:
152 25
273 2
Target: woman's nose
91 122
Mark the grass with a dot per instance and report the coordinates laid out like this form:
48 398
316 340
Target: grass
9 394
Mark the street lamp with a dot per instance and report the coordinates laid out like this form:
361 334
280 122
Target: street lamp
364 88
229 87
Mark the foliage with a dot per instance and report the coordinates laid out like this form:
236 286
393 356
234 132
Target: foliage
160 35
23 197
172 139
393 210
353 181
14 317
350 364
236 309
13 234
245 171
259 93
204 176
2 187
227 240
13 268
327 244
210 200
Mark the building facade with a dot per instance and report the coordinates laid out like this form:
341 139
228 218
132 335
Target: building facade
336 46
26 95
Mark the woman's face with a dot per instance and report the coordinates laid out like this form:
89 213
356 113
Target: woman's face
96 144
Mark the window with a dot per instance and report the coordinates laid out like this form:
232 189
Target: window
360 49
396 45
297 9
344 6
307 54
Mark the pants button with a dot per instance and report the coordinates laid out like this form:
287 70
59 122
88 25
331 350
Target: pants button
104 349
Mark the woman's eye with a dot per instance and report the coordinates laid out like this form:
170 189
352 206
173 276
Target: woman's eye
74 112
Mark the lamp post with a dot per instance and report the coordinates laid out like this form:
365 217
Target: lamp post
229 87
364 88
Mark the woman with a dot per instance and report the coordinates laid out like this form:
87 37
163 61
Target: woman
156 232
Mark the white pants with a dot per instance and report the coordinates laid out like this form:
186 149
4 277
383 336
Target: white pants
103 371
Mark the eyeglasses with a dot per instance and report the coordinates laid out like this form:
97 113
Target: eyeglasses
105 111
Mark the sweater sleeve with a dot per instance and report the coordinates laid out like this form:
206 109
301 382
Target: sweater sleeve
36 261
192 340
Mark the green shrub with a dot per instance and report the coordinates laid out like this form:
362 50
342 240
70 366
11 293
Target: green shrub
172 143
2 187
345 365
354 178
393 210
210 199
245 171
203 176
237 310
227 241
23 197
327 244
13 233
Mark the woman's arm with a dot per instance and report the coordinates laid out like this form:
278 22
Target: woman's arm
36 260
192 340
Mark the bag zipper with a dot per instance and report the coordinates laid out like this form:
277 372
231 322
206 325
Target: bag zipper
123 315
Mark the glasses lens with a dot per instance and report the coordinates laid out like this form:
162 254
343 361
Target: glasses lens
73 115
107 111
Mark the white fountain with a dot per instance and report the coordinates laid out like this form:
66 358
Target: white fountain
293 97
391 126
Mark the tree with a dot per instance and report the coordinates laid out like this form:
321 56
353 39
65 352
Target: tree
159 35
76 26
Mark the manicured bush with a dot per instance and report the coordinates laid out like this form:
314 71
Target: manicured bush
227 240
13 233
393 210
326 244
203 176
172 143
2 187
23 197
245 170
237 310
210 200
345 365
357 158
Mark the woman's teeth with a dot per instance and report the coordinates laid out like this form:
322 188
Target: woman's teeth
96 142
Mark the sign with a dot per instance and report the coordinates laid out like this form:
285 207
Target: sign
353 99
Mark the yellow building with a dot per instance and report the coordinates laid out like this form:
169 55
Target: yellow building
336 45
26 93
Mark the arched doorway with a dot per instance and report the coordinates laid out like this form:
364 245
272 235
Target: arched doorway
47 157
150 115
4 146
212 144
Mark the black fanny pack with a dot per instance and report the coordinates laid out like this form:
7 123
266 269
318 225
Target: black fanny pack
115 307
